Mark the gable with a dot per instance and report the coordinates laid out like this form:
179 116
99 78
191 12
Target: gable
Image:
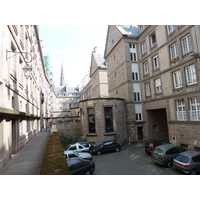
97 61
94 64
114 34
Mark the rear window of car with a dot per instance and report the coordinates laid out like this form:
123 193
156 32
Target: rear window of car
182 158
158 151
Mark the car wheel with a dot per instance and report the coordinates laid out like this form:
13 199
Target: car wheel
88 172
193 172
98 152
169 164
117 149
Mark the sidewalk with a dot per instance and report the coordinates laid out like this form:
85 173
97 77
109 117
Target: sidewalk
28 160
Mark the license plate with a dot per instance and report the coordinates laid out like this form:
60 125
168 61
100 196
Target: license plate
179 164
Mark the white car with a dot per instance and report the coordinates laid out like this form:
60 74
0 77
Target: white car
78 147
73 154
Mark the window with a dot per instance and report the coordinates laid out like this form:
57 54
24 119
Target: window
158 86
170 29
135 71
195 109
147 89
91 120
180 110
133 57
136 96
152 40
177 79
186 44
144 47
138 112
173 51
132 46
155 63
190 73
135 76
108 119
137 92
146 68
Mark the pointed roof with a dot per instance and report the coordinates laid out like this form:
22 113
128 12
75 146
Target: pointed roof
62 76
97 61
116 32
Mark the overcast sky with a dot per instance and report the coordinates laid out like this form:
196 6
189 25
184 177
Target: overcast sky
72 45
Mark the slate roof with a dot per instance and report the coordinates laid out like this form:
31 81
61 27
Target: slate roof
101 60
130 31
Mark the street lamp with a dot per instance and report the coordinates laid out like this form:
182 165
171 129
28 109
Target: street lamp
27 69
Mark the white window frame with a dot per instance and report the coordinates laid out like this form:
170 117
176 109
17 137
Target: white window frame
144 47
137 97
147 89
180 110
186 44
135 72
152 43
138 112
146 68
170 29
177 79
191 76
194 108
158 86
155 63
173 51
133 56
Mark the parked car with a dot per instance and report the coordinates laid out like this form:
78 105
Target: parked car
80 166
164 154
77 147
188 162
74 154
107 146
150 145
85 144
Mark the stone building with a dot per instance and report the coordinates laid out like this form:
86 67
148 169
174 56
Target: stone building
155 69
170 71
121 55
26 103
102 117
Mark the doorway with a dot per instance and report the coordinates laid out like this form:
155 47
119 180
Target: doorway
140 132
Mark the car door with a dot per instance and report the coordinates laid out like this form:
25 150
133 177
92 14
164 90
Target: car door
106 147
172 153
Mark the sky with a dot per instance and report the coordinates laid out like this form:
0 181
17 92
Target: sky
72 45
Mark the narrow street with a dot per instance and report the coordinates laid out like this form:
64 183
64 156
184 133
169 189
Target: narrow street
131 160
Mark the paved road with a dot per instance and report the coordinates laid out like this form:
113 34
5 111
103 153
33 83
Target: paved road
28 160
131 160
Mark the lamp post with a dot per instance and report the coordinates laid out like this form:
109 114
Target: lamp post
27 69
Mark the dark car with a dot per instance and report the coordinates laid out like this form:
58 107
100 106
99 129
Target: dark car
164 154
150 145
107 146
80 166
188 162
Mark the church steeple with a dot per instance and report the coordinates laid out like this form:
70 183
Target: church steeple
62 77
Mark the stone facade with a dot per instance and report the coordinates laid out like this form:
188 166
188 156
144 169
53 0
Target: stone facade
118 118
25 104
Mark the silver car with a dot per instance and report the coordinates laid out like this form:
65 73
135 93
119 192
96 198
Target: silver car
164 154
188 162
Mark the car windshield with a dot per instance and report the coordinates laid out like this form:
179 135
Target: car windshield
182 158
158 151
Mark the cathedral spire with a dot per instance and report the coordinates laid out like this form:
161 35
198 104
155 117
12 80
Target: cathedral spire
62 77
